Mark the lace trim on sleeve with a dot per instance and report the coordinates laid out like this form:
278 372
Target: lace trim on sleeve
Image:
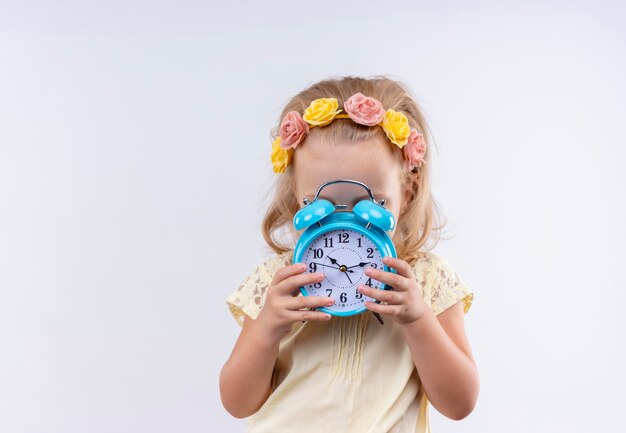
249 297
441 285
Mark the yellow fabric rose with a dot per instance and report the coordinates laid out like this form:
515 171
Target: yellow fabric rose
396 126
321 111
280 157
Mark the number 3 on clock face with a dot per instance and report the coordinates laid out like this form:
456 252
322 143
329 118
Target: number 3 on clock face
342 255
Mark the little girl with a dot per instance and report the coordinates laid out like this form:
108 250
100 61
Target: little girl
294 369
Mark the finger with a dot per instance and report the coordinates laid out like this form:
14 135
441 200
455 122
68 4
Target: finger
398 282
293 282
287 271
309 302
310 315
389 310
380 294
402 267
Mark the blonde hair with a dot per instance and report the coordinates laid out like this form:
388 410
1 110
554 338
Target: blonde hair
418 221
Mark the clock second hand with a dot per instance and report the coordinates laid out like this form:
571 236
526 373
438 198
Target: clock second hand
322 264
346 274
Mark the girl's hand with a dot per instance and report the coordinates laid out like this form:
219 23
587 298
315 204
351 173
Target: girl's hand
405 303
282 303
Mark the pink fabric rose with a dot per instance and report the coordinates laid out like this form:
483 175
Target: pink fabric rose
364 110
292 130
414 149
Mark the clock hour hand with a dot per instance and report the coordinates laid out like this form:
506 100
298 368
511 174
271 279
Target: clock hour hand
345 270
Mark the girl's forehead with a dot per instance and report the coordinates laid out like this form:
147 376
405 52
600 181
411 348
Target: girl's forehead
376 177
375 172
366 162
316 148
367 153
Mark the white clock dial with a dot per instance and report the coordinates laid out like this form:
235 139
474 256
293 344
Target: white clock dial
342 256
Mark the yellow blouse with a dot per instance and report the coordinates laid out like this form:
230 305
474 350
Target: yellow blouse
347 374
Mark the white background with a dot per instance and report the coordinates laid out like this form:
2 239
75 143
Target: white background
134 168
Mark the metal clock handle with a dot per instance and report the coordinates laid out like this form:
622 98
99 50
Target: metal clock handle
355 182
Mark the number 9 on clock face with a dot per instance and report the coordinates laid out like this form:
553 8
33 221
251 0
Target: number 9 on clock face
342 255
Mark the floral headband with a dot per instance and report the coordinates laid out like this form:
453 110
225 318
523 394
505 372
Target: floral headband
362 110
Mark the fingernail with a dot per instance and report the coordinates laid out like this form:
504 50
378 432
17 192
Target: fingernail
331 301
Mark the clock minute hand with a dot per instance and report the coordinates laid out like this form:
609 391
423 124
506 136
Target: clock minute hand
360 264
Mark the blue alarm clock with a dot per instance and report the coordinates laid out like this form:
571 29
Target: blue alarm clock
341 244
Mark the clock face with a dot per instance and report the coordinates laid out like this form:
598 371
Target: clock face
342 255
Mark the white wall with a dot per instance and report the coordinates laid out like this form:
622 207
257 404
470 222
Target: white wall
134 155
